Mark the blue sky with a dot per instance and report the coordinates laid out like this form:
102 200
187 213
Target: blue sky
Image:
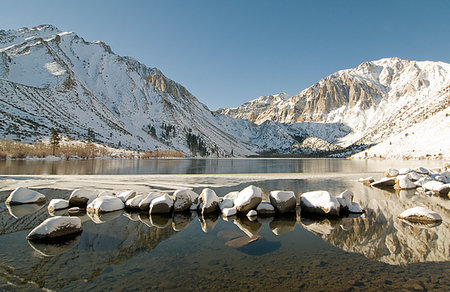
229 52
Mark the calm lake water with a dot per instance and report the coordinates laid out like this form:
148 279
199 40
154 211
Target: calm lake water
123 251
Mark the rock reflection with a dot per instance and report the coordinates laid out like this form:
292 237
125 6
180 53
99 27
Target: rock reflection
251 228
100 218
181 221
283 223
208 221
160 221
47 249
19 211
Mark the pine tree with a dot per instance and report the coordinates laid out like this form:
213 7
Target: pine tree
54 140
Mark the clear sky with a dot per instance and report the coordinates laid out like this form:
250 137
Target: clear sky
229 52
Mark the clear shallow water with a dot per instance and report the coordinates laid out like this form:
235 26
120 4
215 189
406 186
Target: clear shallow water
133 252
202 166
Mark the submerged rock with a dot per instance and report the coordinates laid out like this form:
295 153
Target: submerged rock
57 204
283 201
210 201
105 204
56 227
23 195
319 202
248 199
420 215
81 197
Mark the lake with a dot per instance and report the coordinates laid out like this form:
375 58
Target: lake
123 251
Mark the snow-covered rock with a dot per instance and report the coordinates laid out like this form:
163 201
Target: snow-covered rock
414 176
133 203
227 212
81 197
183 200
391 172
226 203
56 227
248 199
283 201
402 182
265 208
23 195
367 180
57 204
144 204
252 213
319 202
210 201
126 195
231 195
422 170
403 171
161 204
433 186
384 182
421 215
105 204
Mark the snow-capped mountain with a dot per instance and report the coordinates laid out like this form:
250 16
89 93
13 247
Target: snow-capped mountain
377 100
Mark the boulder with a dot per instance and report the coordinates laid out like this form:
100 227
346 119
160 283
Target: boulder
384 182
133 203
433 185
182 200
346 203
105 204
231 195
319 202
226 203
210 201
227 212
283 201
252 213
81 197
23 195
422 170
265 208
414 176
161 204
403 171
144 204
125 196
402 182
391 172
248 199
420 215
422 180
57 204
55 228
106 193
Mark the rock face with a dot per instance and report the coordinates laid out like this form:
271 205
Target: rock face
56 227
80 197
319 202
24 196
105 204
57 204
283 201
248 199
161 204
210 201
420 215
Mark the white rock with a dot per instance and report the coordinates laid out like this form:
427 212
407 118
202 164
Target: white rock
367 180
420 214
161 204
403 171
414 176
57 204
106 193
403 183
24 196
231 195
125 196
133 203
81 197
432 186
265 208
210 201
345 199
252 213
422 180
283 201
144 204
55 227
384 182
391 172
105 204
319 202
226 203
248 199
183 200
227 212
74 210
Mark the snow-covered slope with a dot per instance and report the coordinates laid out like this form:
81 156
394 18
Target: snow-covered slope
377 100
